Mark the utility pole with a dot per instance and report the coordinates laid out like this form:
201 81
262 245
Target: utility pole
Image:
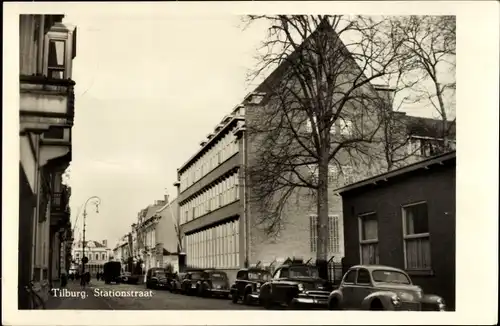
83 243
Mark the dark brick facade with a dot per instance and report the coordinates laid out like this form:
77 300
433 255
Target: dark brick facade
434 184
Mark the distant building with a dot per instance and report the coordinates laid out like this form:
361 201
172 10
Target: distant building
167 239
97 253
145 230
406 218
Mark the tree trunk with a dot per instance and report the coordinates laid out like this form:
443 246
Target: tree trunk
443 115
322 224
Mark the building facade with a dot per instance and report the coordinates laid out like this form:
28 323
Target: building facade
97 253
406 218
219 223
47 50
167 236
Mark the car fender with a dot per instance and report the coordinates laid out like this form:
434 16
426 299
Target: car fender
336 294
265 290
383 296
249 288
434 299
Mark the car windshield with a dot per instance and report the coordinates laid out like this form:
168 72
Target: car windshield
159 273
259 275
387 276
196 276
304 271
218 276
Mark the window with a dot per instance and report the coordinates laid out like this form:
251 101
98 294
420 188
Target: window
103 256
416 237
350 276
333 229
387 276
332 173
308 126
54 133
56 61
368 238
282 273
363 276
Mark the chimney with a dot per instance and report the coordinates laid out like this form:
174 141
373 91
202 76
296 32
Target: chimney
105 243
166 199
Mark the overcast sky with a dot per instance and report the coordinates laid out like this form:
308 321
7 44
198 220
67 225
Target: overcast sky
147 92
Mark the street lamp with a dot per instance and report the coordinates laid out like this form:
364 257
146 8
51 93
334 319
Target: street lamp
96 201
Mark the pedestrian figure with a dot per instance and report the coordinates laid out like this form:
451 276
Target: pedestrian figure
64 279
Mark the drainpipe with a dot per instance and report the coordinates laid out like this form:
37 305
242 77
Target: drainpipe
37 207
246 226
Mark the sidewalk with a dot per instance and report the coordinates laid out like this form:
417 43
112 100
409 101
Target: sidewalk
90 302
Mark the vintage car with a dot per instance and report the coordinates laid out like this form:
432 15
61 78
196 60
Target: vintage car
248 283
157 278
190 282
213 283
377 287
296 285
175 282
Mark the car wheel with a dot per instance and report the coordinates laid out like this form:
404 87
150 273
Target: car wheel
376 305
246 299
234 297
333 304
266 303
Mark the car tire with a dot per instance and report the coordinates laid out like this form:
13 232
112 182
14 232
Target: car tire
333 304
234 297
246 299
376 305
266 303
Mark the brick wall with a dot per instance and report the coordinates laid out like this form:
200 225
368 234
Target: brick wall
437 187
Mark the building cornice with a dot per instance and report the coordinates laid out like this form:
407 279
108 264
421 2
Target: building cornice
210 142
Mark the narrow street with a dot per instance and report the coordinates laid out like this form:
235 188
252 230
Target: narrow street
160 300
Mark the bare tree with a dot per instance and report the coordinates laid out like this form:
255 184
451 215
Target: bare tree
319 109
430 48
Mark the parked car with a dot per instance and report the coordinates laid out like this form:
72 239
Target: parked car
157 278
213 283
129 278
175 282
248 283
377 287
295 285
190 282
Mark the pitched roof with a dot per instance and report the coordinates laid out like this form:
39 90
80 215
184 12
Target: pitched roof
384 177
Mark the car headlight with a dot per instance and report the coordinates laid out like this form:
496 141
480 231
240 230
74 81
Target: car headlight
441 304
301 287
396 301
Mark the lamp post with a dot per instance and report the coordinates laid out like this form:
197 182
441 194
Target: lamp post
96 201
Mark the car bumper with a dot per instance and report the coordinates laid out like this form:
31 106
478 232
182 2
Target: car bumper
310 301
219 291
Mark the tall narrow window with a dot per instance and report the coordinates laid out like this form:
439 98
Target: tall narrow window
368 238
56 63
417 237
333 231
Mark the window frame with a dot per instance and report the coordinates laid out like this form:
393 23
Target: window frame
370 282
406 237
366 242
56 38
355 272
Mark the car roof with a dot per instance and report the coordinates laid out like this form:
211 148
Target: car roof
253 269
375 267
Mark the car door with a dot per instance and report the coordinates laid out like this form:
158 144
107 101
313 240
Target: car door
362 288
241 278
348 283
281 286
